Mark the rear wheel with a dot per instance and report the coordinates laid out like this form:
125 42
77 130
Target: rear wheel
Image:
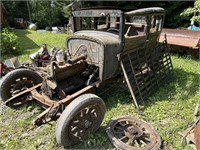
17 81
81 117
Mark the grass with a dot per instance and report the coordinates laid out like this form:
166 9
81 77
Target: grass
31 41
169 110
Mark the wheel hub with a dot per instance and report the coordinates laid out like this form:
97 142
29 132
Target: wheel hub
132 131
85 122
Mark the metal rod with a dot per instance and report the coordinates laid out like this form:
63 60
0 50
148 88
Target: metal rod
129 85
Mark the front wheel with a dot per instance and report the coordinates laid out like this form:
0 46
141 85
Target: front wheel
81 117
18 80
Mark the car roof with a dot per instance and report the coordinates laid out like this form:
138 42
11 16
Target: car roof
146 11
141 11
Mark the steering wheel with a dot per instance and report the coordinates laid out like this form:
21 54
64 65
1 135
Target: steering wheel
113 30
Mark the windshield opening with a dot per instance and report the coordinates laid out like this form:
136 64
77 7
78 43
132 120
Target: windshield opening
98 20
104 23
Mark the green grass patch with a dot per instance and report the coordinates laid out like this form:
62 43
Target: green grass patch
30 41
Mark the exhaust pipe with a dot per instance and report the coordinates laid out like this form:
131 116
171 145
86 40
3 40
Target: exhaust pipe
74 60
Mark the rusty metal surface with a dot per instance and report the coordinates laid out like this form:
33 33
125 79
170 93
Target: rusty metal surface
128 133
41 119
188 134
101 49
143 32
66 71
197 135
17 98
137 40
145 70
4 69
191 135
42 98
186 38
76 59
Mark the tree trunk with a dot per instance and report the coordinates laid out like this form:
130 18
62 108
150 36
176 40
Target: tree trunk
50 17
29 11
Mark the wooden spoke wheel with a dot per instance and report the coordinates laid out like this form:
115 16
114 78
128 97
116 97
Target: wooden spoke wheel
128 133
81 117
16 81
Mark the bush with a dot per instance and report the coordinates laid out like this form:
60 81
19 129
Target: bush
9 42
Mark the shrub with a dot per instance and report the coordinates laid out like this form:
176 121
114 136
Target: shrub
9 42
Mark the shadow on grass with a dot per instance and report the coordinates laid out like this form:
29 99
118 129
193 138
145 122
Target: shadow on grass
184 87
115 95
25 42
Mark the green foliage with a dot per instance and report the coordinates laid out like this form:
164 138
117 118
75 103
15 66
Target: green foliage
193 11
9 42
97 140
173 9
63 11
15 9
39 11
66 12
60 14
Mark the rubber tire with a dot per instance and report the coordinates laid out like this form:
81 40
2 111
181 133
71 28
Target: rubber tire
12 76
71 110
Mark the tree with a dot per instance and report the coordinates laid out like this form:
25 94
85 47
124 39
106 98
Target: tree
16 9
38 12
193 11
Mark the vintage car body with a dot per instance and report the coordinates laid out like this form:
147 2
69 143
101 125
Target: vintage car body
100 51
106 44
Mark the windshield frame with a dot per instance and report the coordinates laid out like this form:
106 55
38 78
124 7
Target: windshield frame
99 13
